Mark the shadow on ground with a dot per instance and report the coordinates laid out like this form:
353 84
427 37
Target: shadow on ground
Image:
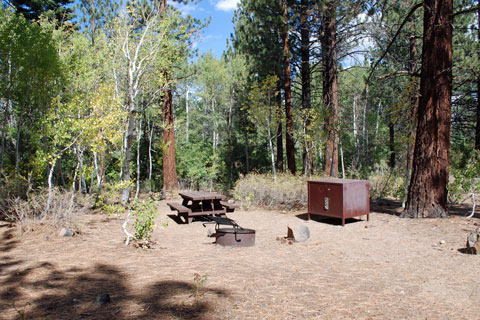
328 220
45 292
388 206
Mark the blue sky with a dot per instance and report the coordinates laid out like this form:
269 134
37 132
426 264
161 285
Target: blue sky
214 36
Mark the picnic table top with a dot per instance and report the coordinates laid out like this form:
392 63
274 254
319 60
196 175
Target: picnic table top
200 195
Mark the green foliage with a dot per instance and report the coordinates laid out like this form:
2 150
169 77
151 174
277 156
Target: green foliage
198 284
144 216
52 9
466 180
108 199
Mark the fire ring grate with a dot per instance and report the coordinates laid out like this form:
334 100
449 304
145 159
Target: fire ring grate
235 237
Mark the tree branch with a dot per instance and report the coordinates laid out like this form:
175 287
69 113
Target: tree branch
412 11
469 10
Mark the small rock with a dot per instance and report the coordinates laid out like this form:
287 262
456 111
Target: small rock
441 241
299 233
103 298
65 232
473 242
211 233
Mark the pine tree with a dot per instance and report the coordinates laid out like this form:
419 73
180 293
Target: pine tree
52 9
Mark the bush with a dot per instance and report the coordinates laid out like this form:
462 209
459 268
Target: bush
30 213
386 183
108 199
289 192
144 215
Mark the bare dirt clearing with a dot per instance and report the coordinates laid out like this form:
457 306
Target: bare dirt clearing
387 268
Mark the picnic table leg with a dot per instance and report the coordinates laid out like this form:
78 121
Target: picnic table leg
186 218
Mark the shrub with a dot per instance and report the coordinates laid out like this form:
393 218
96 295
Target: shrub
108 199
288 192
385 182
464 181
145 213
30 213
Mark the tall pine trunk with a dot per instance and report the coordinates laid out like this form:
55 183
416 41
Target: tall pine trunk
170 178
412 115
330 88
427 193
477 127
391 143
288 93
306 85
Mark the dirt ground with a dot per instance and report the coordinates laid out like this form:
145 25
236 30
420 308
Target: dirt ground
386 268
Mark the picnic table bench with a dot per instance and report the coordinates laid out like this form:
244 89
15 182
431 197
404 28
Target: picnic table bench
201 204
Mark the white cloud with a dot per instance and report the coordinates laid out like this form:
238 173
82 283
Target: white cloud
186 9
226 5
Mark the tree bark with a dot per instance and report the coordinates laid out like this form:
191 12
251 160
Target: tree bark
50 189
306 85
229 138
330 88
279 134
187 111
139 137
170 178
8 107
412 115
427 194
93 24
17 145
128 150
270 144
391 145
247 156
288 93
150 160
477 127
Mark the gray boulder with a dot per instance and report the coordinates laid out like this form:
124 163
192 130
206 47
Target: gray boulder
473 242
65 232
299 233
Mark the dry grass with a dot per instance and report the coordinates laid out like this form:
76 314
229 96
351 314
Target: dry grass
288 192
30 214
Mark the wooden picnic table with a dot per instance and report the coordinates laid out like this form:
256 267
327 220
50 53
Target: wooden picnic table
199 203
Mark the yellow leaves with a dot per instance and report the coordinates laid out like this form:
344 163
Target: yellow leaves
261 99
104 123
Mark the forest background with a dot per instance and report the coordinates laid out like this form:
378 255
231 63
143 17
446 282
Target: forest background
117 103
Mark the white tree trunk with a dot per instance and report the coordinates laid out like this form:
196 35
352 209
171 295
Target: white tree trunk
97 172
341 159
50 189
139 136
150 160
187 113
270 145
